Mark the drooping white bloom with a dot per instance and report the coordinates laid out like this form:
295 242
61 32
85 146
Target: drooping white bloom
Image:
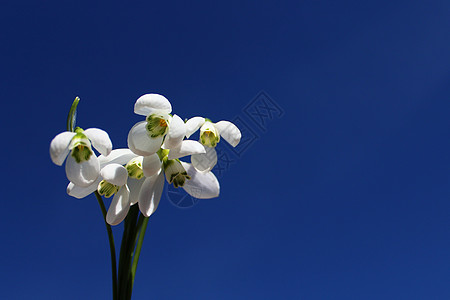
145 179
115 179
202 185
178 173
210 134
146 137
114 182
82 165
117 156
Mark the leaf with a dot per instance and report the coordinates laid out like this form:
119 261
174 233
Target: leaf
71 118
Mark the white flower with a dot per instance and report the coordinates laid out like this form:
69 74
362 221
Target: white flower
181 174
202 185
82 165
117 156
114 182
210 134
115 179
146 137
128 185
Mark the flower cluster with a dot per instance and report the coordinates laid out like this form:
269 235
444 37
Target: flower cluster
136 175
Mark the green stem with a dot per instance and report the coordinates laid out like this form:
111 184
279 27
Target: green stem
111 245
126 250
138 228
132 245
142 227
123 250
134 238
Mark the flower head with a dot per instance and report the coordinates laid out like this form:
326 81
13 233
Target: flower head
82 166
114 180
210 134
166 162
147 137
175 173
136 175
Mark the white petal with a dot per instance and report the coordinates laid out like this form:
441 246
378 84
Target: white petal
186 147
100 140
193 124
134 185
201 185
150 103
151 165
115 174
229 132
82 174
81 192
59 147
150 194
177 131
117 156
120 205
139 141
205 162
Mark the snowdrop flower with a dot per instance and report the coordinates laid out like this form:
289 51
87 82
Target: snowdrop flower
117 156
141 180
210 134
146 137
180 174
82 165
202 185
115 179
114 182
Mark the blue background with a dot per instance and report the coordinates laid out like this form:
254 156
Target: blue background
343 196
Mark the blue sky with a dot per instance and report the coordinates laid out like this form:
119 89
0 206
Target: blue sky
342 194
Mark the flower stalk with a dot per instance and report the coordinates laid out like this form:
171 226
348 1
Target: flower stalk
112 248
142 226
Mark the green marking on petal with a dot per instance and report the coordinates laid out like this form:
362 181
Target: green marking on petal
180 179
175 173
157 125
81 153
209 136
107 189
173 176
134 168
80 146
